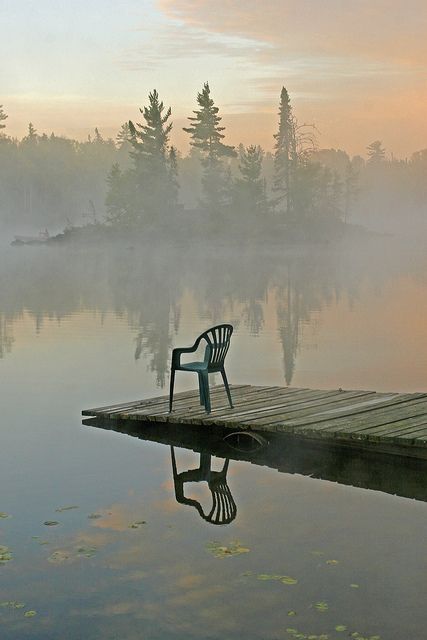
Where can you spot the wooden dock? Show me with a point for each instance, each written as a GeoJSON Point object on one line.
{"type": "Point", "coordinates": [388, 422]}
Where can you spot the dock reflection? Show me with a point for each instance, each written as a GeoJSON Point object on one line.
{"type": "Point", "coordinates": [393, 474]}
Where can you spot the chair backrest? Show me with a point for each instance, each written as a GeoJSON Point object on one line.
{"type": "Point", "coordinates": [218, 343]}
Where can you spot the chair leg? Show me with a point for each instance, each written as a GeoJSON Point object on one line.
{"type": "Point", "coordinates": [201, 389]}
{"type": "Point", "coordinates": [171, 389]}
{"type": "Point", "coordinates": [227, 388]}
{"type": "Point", "coordinates": [205, 376]}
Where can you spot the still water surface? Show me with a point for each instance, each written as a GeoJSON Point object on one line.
{"type": "Point", "coordinates": [317, 545]}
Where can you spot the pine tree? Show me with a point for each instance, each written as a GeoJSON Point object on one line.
{"type": "Point", "coordinates": [285, 153]}
{"type": "Point", "coordinates": [98, 139]}
{"type": "Point", "coordinates": [155, 178]}
{"type": "Point", "coordinates": [376, 153]}
{"type": "Point", "coordinates": [206, 136]}
{"type": "Point", "coordinates": [123, 136]}
{"type": "Point", "coordinates": [3, 117]}
{"type": "Point", "coordinates": [119, 198]}
{"type": "Point", "coordinates": [251, 186]}
{"type": "Point", "coordinates": [31, 136]}
{"type": "Point", "coordinates": [350, 187]}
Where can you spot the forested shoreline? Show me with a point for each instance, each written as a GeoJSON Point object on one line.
{"type": "Point", "coordinates": [140, 184]}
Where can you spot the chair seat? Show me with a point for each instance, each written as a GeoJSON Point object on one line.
{"type": "Point", "coordinates": [194, 366]}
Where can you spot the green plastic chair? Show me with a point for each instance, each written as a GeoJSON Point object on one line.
{"type": "Point", "coordinates": [224, 509]}
{"type": "Point", "coordinates": [217, 344]}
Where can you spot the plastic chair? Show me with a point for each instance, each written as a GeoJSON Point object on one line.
{"type": "Point", "coordinates": [224, 509]}
{"type": "Point", "coordinates": [217, 344]}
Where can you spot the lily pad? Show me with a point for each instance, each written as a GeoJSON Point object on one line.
{"type": "Point", "coordinates": [331, 561]}
{"type": "Point", "coordinates": [5, 554]}
{"type": "Point", "coordinates": [340, 627]}
{"type": "Point", "coordinates": [30, 614]}
{"type": "Point", "coordinates": [58, 557]}
{"type": "Point", "coordinates": [221, 551]}
{"type": "Point", "coordinates": [4, 515]}
{"type": "Point", "coordinates": [137, 525]}
{"type": "Point", "coordinates": [291, 613]}
{"type": "Point", "coordinates": [278, 577]}
{"type": "Point", "coordinates": [288, 580]}
{"type": "Point", "coordinates": [321, 606]}
{"type": "Point", "coordinates": [51, 523]}
{"type": "Point", "coordinates": [88, 552]}
{"type": "Point", "coordinates": [354, 585]}
{"type": "Point", "coordinates": [94, 516]}
{"type": "Point", "coordinates": [68, 508]}
{"type": "Point", "coordinates": [12, 604]}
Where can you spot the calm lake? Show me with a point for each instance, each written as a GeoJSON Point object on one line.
{"type": "Point", "coordinates": [93, 541]}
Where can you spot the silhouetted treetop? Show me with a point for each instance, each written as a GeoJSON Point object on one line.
{"type": "Point", "coordinates": [376, 153]}
{"type": "Point", "coordinates": [151, 139]}
{"type": "Point", "coordinates": [206, 133]}
{"type": "Point", "coordinates": [3, 116]}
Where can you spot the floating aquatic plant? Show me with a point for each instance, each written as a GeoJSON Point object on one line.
{"type": "Point", "coordinates": [321, 606]}
{"type": "Point", "coordinates": [137, 525]}
{"type": "Point", "coordinates": [63, 555]}
{"type": "Point", "coordinates": [5, 554]}
{"type": "Point", "coordinates": [59, 556]}
{"type": "Point", "coordinates": [12, 604]}
{"type": "Point", "coordinates": [278, 577]}
{"type": "Point", "coordinates": [4, 515]}
{"type": "Point", "coordinates": [302, 636]}
{"type": "Point", "coordinates": [61, 509]}
{"type": "Point", "coordinates": [221, 551]}
{"type": "Point", "coordinates": [87, 552]}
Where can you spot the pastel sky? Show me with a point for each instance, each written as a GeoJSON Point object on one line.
{"type": "Point", "coordinates": [357, 69]}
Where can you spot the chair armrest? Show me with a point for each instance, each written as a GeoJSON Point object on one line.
{"type": "Point", "coordinates": [176, 353]}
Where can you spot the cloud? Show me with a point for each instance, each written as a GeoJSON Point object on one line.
{"type": "Point", "coordinates": [313, 42]}
{"type": "Point", "coordinates": [175, 40]}
{"type": "Point", "coordinates": [391, 29]}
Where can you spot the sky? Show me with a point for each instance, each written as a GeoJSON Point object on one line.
{"type": "Point", "coordinates": [356, 69]}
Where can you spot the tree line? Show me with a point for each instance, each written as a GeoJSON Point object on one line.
{"type": "Point", "coordinates": [141, 183]}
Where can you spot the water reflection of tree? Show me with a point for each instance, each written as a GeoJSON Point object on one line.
{"type": "Point", "coordinates": [6, 337]}
{"type": "Point", "coordinates": [145, 286]}
{"type": "Point", "coordinates": [306, 284]}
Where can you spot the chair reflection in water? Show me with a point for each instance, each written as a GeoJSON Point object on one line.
{"type": "Point", "coordinates": [217, 340]}
{"type": "Point", "coordinates": [224, 508]}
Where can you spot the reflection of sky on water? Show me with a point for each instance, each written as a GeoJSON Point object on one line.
{"type": "Point", "coordinates": [319, 318]}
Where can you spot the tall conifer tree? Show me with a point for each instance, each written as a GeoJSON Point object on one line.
{"type": "Point", "coordinates": [285, 153]}
{"type": "Point", "coordinates": [155, 179]}
{"type": "Point", "coordinates": [206, 136]}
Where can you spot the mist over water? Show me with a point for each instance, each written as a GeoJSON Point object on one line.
{"type": "Point", "coordinates": [86, 326]}
{"type": "Point", "coordinates": [126, 249]}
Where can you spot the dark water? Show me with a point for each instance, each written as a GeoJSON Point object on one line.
{"type": "Point", "coordinates": [321, 543]}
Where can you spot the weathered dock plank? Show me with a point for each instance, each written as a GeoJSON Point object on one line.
{"type": "Point", "coordinates": [396, 421]}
